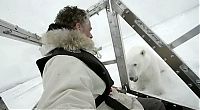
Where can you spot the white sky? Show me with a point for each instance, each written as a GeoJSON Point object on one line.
{"type": "Point", "coordinates": [169, 19]}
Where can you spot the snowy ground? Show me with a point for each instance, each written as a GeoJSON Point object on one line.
{"type": "Point", "coordinates": [23, 96]}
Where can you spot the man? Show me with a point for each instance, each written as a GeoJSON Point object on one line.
{"type": "Point", "coordinates": [73, 78]}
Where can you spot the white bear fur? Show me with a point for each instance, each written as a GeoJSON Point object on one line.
{"type": "Point", "coordinates": [142, 64]}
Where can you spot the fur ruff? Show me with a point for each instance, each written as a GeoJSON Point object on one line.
{"type": "Point", "coordinates": [70, 40]}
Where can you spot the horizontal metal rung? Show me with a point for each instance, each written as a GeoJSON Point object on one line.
{"type": "Point", "coordinates": [187, 36]}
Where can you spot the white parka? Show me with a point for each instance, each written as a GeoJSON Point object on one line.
{"type": "Point", "coordinates": [69, 83]}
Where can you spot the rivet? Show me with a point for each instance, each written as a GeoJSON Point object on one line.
{"type": "Point", "coordinates": [127, 11]}
{"type": "Point", "coordinates": [190, 85]}
{"type": "Point", "coordinates": [198, 81]}
{"type": "Point", "coordinates": [143, 36]}
{"type": "Point", "coordinates": [177, 71]}
{"type": "Point", "coordinates": [119, 3]}
{"type": "Point", "coordinates": [174, 105]}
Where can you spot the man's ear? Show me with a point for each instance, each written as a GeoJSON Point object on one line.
{"type": "Point", "coordinates": [78, 26]}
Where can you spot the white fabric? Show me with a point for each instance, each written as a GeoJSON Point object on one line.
{"type": "Point", "coordinates": [68, 83]}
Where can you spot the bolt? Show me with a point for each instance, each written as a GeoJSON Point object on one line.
{"type": "Point", "coordinates": [16, 27]}
{"type": "Point", "coordinates": [37, 37]}
{"type": "Point", "coordinates": [177, 71]}
{"type": "Point", "coordinates": [174, 105]}
{"type": "Point", "coordinates": [119, 3]}
{"type": "Point", "coordinates": [143, 36]}
{"type": "Point", "coordinates": [190, 85]}
{"type": "Point", "coordinates": [198, 81]}
{"type": "Point", "coordinates": [7, 31]}
{"type": "Point", "coordinates": [126, 11]}
{"type": "Point", "coordinates": [184, 68]}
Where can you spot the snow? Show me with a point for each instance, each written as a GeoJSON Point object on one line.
{"type": "Point", "coordinates": [23, 96]}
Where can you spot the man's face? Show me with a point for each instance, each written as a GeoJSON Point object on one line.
{"type": "Point", "coordinates": [86, 28]}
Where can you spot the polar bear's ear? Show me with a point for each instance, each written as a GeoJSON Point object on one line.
{"type": "Point", "coordinates": [142, 52]}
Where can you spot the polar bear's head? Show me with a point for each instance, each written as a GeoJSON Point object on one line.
{"type": "Point", "coordinates": [138, 60]}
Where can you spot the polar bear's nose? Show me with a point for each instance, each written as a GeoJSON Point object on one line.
{"type": "Point", "coordinates": [134, 79]}
{"type": "Point", "coordinates": [131, 78]}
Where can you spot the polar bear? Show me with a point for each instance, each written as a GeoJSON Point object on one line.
{"type": "Point", "coordinates": [143, 69]}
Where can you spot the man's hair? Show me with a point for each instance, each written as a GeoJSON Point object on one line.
{"type": "Point", "coordinates": [69, 16]}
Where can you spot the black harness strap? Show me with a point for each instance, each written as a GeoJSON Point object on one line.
{"type": "Point", "coordinates": [92, 62]}
{"type": "Point", "coordinates": [100, 99]}
{"type": "Point", "coordinates": [115, 104]}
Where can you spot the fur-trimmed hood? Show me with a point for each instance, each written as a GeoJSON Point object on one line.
{"type": "Point", "coordinates": [71, 40]}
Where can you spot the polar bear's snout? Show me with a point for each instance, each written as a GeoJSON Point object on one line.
{"type": "Point", "coordinates": [134, 78]}
{"type": "Point", "coordinates": [133, 74]}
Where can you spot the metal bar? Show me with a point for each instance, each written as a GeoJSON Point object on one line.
{"type": "Point", "coordinates": [109, 62]}
{"type": "Point", "coordinates": [14, 32]}
{"type": "Point", "coordinates": [96, 8]}
{"type": "Point", "coordinates": [181, 69]}
{"type": "Point", "coordinates": [168, 105]}
{"type": "Point", "coordinates": [187, 36]}
{"type": "Point", "coordinates": [118, 47]}
{"type": "Point", "coordinates": [3, 105]}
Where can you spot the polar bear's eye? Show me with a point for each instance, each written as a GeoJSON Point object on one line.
{"type": "Point", "coordinates": [134, 64]}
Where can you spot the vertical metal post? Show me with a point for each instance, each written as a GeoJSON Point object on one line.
{"type": "Point", "coordinates": [118, 47]}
